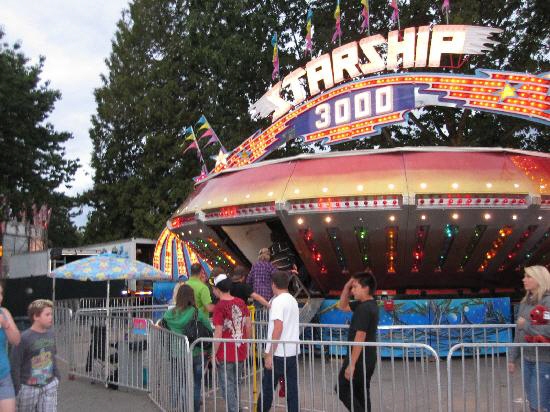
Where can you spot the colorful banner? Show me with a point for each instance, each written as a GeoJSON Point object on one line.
{"type": "Point", "coordinates": [361, 108]}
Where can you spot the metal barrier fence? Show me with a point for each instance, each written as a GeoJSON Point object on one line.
{"type": "Point", "coordinates": [410, 382]}
{"type": "Point", "coordinates": [128, 301]}
{"type": "Point", "coordinates": [168, 365]}
{"type": "Point", "coordinates": [124, 349]}
{"type": "Point", "coordinates": [478, 378]}
{"type": "Point", "coordinates": [112, 350]}
{"type": "Point", "coordinates": [439, 337]}
{"type": "Point", "coordinates": [62, 328]}
{"type": "Point", "coordinates": [152, 312]}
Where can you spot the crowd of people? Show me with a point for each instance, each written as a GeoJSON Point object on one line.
{"type": "Point", "coordinates": [29, 376]}
{"type": "Point", "coordinates": [266, 286]}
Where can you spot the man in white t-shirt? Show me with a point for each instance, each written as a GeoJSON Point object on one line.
{"type": "Point", "coordinates": [280, 359]}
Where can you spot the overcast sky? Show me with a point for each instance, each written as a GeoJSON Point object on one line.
{"type": "Point", "coordinates": [75, 37]}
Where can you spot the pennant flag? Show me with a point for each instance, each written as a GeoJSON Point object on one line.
{"type": "Point", "coordinates": [338, 30]}
{"type": "Point", "coordinates": [309, 45]}
{"type": "Point", "coordinates": [275, 73]}
{"type": "Point", "coordinates": [395, 13]}
{"type": "Point", "coordinates": [191, 146]}
{"type": "Point", "coordinates": [446, 7]}
{"type": "Point", "coordinates": [203, 123]}
{"type": "Point", "coordinates": [209, 132]}
{"type": "Point", "coordinates": [365, 13]}
{"type": "Point", "coordinates": [189, 134]}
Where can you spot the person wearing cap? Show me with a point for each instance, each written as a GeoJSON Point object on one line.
{"type": "Point", "coordinates": [260, 275]}
{"type": "Point", "coordinates": [231, 321]}
{"type": "Point", "coordinates": [203, 300]}
{"type": "Point", "coordinates": [280, 359]}
{"type": "Point", "coordinates": [240, 289]}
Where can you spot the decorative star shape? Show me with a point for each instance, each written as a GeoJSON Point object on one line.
{"type": "Point", "coordinates": [507, 91]}
{"type": "Point", "coordinates": [221, 158]}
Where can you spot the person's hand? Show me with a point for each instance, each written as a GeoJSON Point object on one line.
{"type": "Point", "coordinates": [349, 284]}
{"type": "Point", "coordinates": [521, 322]}
{"type": "Point", "coordinates": [511, 367]}
{"type": "Point", "coordinates": [268, 361]}
{"type": "Point", "coordinates": [348, 373]}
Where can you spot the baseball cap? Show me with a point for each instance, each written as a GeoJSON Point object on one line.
{"type": "Point", "coordinates": [220, 278]}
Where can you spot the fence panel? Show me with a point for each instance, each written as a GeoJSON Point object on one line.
{"type": "Point", "coordinates": [112, 350]}
{"type": "Point", "coordinates": [62, 326]}
{"type": "Point", "coordinates": [478, 378]}
{"type": "Point", "coordinates": [439, 337]}
{"type": "Point", "coordinates": [169, 388]}
{"type": "Point", "coordinates": [410, 382]}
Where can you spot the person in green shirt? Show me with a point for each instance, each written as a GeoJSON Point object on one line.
{"type": "Point", "coordinates": [203, 300]}
{"type": "Point", "coordinates": [176, 319]}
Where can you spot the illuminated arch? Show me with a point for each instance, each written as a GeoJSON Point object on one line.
{"type": "Point", "coordinates": [175, 257]}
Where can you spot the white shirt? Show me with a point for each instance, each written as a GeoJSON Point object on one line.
{"type": "Point", "coordinates": [285, 308]}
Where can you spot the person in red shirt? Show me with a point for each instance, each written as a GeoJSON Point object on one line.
{"type": "Point", "coordinates": [231, 321]}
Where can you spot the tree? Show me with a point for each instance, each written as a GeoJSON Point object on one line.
{"type": "Point", "coordinates": [32, 156]}
{"type": "Point", "coordinates": [175, 60]}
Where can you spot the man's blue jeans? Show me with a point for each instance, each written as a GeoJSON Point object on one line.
{"type": "Point", "coordinates": [198, 372]}
{"type": "Point", "coordinates": [228, 377]}
{"type": "Point", "coordinates": [282, 367]}
{"type": "Point", "coordinates": [534, 390]}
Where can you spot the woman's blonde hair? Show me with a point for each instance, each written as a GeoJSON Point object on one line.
{"type": "Point", "coordinates": [264, 255]}
{"type": "Point", "coordinates": [542, 276]}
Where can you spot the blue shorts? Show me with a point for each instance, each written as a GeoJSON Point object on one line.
{"type": "Point", "coordinates": [6, 388]}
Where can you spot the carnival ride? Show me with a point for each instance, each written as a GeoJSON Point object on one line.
{"type": "Point", "coordinates": [427, 221]}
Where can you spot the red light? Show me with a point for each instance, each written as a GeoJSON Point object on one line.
{"type": "Point", "coordinates": [432, 201]}
{"type": "Point", "coordinates": [478, 200]}
{"type": "Point", "coordinates": [421, 201]}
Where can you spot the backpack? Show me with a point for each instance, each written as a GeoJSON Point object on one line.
{"type": "Point", "coordinates": [195, 329]}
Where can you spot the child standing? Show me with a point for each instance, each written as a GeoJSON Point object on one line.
{"type": "Point", "coordinates": [34, 369]}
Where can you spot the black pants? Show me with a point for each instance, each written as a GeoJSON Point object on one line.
{"type": "Point", "coordinates": [358, 399]}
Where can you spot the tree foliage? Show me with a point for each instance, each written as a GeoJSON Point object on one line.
{"type": "Point", "coordinates": [32, 156]}
{"type": "Point", "coordinates": [175, 60]}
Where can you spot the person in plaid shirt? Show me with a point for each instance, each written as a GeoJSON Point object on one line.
{"type": "Point", "coordinates": [260, 275]}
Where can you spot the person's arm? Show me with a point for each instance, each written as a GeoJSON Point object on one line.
{"type": "Point", "coordinates": [16, 364]}
{"type": "Point", "coordinates": [250, 277]}
{"type": "Point", "coordinates": [9, 326]}
{"type": "Point", "coordinates": [343, 303]}
{"type": "Point", "coordinates": [206, 300]}
{"type": "Point", "coordinates": [360, 336]}
{"type": "Point", "coordinates": [275, 336]}
{"type": "Point", "coordinates": [260, 299]}
{"type": "Point", "coordinates": [217, 335]}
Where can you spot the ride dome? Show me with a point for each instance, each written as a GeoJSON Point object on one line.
{"type": "Point", "coordinates": [425, 220]}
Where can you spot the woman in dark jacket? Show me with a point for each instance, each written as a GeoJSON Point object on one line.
{"type": "Point", "coordinates": [532, 329]}
{"type": "Point", "coordinates": [176, 319]}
